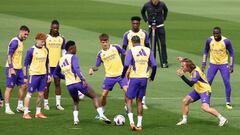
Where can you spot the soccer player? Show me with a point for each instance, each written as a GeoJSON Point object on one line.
{"type": "Point", "coordinates": [202, 90]}
{"type": "Point", "coordinates": [14, 72]}
{"type": "Point", "coordinates": [110, 57]}
{"type": "Point", "coordinates": [55, 44]}
{"type": "Point", "coordinates": [75, 82]}
{"type": "Point", "coordinates": [219, 47]}
{"type": "Point", "coordinates": [135, 31]}
{"type": "Point", "coordinates": [141, 58]}
{"type": "Point", "coordinates": [37, 73]}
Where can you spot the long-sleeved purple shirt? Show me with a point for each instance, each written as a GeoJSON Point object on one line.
{"type": "Point", "coordinates": [28, 61]}
{"type": "Point", "coordinates": [228, 47]}
{"type": "Point", "coordinates": [12, 48]}
{"type": "Point", "coordinates": [75, 69]}
{"type": "Point", "coordinates": [130, 61]}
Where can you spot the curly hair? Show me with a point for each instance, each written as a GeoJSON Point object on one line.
{"type": "Point", "coordinates": [41, 36]}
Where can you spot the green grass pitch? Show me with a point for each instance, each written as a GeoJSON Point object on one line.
{"type": "Point", "coordinates": [188, 25]}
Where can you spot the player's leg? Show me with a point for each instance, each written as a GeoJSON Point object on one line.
{"type": "Point", "coordinates": [107, 86]}
{"type": "Point", "coordinates": [57, 82]}
{"type": "Point", "coordinates": [41, 87]}
{"type": "Point", "coordinates": [88, 91]}
{"type": "Point", "coordinates": [32, 86]}
{"type": "Point", "coordinates": [224, 70]}
{"type": "Point", "coordinates": [140, 95]}
{"type": "Point", "coordinates": [162, 36]}
{"type": "Point", "coordinates": [130, 95]}
{"type": "Point", "coordinates": [7, 95]}
{"type": "Point", "coordinates": [191, 97]}
{"type": "Point", "coordinates": [73, 92]}
{"type": "Point", "coordinates": [104, 97]}
{"type": "Point", "coordinates": [205, 99]}
{"type": "Point", "coordinates": [124, 85]}
{"type": "Point", "coordinates": [10, 83]}
{"type": "Point", "coordinates": [212, 70]}
{"type": "Point", "coordinates": [28, 96]}
{"type": "Point", "coordinates": [22, 90]}
{"type": "Point", "coordinates": [46, 95]}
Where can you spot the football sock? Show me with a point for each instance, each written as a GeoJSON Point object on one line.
{"type": "Point", "coordinates": [38, 110]}
{"type": "Point", "coordinates": [20, 103]}
{"type": "Point", "coordinates": [58, 99]}
{"type": "Point", "coordinates": [130, 117]}
{"type": "Point", "coordinates": [100, 111]}
{"type": "Point", "coordinates": [75, 115]}
{"type": "Point", "coordinates": [139, 123]}
{"type": "Point", "coordinates": [45, 101]}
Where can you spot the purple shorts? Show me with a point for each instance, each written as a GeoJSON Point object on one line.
{"type": "Point", "coordinates": [52, 69]}
{"type": "Point", "coordinates": [136, 88]}
{"type": "Point", "coordinates": [74, 88]}
{"type": "Point", "coordinates": [12, 80]}
{"type": "Point", "coordinates": [205, 97]}
{"type": "Point", "coordinates": [37, 83]}
{"type": "Point", "coordinates": [109, 82]}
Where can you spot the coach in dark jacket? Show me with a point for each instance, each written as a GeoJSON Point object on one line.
{"type": "Point", "coordinates": [157, 14]}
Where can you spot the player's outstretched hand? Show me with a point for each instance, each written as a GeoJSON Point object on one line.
{"type": "Point", "coordinates": [90, 72]}
{"type": "Point", "coordinates": [179, 58]}
{"type": "Point", "coordinates": [49, 79]}
{"type": "Point", "coordinates": [203, 68]}
{"type": "Point", "coordinates": [84, 84]}
{"type": "Point", "coordinates": [180, 72]}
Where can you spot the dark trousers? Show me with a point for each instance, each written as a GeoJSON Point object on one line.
{"type": "Point", "coordinates": [160, 35]}
{"type": "Point", "coordinates": [1, 98]}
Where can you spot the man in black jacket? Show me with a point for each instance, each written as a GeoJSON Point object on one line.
{"type": "Point", "coordinates": [156, 15]}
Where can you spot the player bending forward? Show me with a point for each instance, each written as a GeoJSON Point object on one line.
{"type": "Point", "coordinates": [75, 82]}
{"type": "Point", "coordinates": [202, 90]}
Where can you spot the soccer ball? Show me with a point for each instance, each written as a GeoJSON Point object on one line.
{"type": "Point", "coordinates": [119, 120]}
{"type": "Point", "coordinates": [80, 95]}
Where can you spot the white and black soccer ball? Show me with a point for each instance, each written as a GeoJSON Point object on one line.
{"type": "Point", "coordinates": [80, 95]}
{"type": "Point", "coordinates": [119, 120]}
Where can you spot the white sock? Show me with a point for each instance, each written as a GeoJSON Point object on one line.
{"type": "Point", "coordinates": [38, 110]}
{"type": "Point", "coordinates": [7, 106]}
{"type": "Point", "coordinates": [45, 101]}
{"type": "Point", "coordinates": [20, 103]}
{"type": "Point", "coordinates": [185, 117]}
{"type": "Point", "coordinates": [130, 117]}
{"type": "Point", "coordinates": [139, 123]}
{"type": "Point", "coordinates": [143, 100]}
{"type": "Point", "coordinates": [58, 99]}
{"type": "Point", "coordinates": [220, 117]}
{"type": "Point", "coordinates": [26, 110]}
{"type": "Point", "coordinates": [75, 115]}
{"type": "Point", "coordinates": [100, 111]}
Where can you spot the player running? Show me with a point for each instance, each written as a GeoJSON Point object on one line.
{"type": "Point", "coordinates": [110, 57]}
{"type": "Point", "coordinates": [75, 82]}
{"type": "Point", "coordinates": [140, 58]}
{"type": "Point", "coordinates": [37, 73]}
{"type": "Point", "coordinates": [55, 44]}
{"type": "Point", "coordinates": [14, 72]}
{"type": "Point", "coordinates": [202, 90]}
